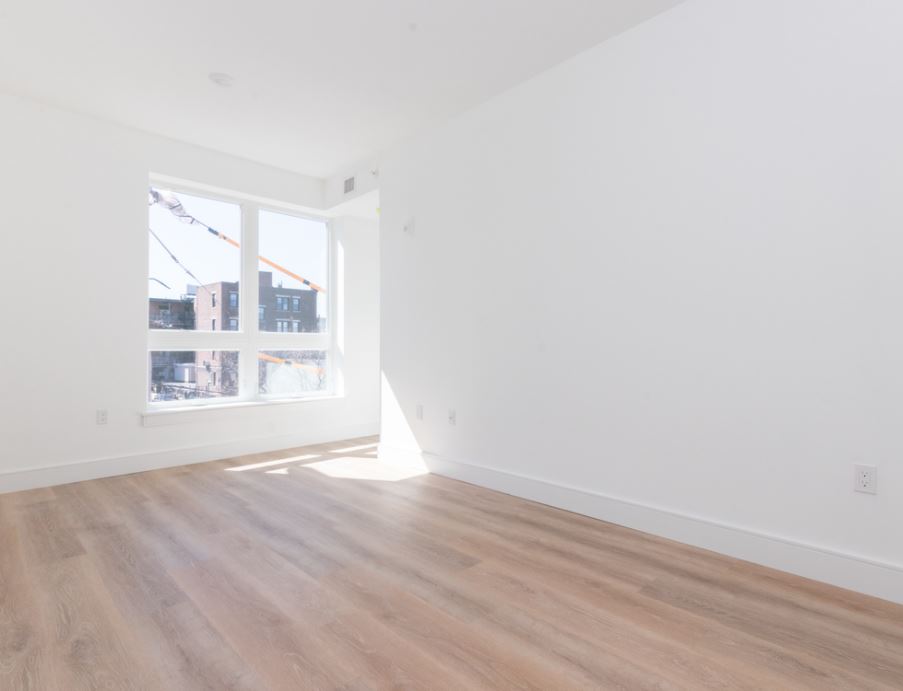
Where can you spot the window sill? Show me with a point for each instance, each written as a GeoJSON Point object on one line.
{"type": "Point", "coordinates": [159, 417]}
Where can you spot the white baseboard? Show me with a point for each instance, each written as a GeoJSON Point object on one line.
{"type": "Point", "coordinates": [61, 474]}
{"type": "Point", "coordinates": [855, 572]}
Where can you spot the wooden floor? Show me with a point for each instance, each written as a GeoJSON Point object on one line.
{"type": "Point", "coordinates": [300, 570]}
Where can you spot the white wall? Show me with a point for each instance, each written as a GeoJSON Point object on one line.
{"type": "Point", "coordinates": [662, 284]}
{"type": "Point", "coordinates": [74, 283]}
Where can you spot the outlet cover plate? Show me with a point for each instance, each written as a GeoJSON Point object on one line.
{"type": "Point", "coordinates": [866, 479]}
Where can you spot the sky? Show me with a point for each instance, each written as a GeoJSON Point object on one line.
{"type": "Point", "coordinates": [298, 244]}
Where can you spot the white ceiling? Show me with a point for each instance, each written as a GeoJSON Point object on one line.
{"type": "Point", "coordinates": [318, 83]}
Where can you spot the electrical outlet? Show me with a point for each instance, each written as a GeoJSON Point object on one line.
{"type": "Point", "coordinates": [101, 417]}
{"type": "Point", "coordinates": [866, 479]}
{"type": "Point", "coordinates": [419, 411]}
{"type": "Point", "coordinates": [452, 417]}
{"type": "Point", "coordinates": [408, 228]}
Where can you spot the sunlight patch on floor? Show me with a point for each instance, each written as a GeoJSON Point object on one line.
{"type": "Point", "coordinates": [350, 468]}
{"type": "Point", "coordinates": [278, 461]}
{"type": "Point", "coordinates": [353, 449]}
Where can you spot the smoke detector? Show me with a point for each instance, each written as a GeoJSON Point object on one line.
{"type": "Point", "coordinates": [222, 79]}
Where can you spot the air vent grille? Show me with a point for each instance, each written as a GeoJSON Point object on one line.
{"type": "Point", "coordinates": [349, 185]}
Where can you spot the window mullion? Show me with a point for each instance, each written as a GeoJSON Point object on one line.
{"type": "Point", "coordinates": [293, 341]}
{"type": "Point", "coordinates": [335, 344]}
{"type": "Point", "coordinates": [194, 340]}
{"type": "Point", "coordinates": [250, 299]}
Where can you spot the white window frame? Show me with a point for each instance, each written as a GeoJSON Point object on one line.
{"type": "Point", "coordinates": [249, 339]}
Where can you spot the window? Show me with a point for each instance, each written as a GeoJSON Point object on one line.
{"type": "Point", "coordinates": [186, 267]}
{"type": "Point", "coordinates": [199, 250]}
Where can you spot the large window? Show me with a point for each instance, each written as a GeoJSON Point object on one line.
{"type": "Point", "coordinates": [269, 336]}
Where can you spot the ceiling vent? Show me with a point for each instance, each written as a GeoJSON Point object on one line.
{"type": "Point", "coordinates": [349, 185]}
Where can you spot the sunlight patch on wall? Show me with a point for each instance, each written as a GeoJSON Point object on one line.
{"type": "Point", "coordinates": [396, 431]}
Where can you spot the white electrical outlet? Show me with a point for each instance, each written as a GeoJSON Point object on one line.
{"type": "Point", "coordinates": [866, 479]}
{"type": "Point", "coordinates": [101, 417]}
{"type": "Point", "coordinates": [419, 411]}
{"type": "Point", "coordinates": [452, 417]}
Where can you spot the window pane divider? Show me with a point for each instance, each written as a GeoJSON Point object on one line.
{"type": "Point", "coordinates": [196, 340]}
{"type": "Point", "coordinates": [250, 299]}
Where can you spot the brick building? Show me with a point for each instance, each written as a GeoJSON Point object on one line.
{"type": "Point", "coordinates": [278, 309]}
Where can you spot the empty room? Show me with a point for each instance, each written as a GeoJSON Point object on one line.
{"type": "Point", "coordinates": [419, 344]}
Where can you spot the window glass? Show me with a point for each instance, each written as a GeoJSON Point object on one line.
{"type": "Point", "coordinates": [192, 374]}
{"type": "Point", "coordinates": [291, 372]}
{"type": "Point", "coordinates": [189, 262]}
{"type": "Point", "coordinates": [293, 269]}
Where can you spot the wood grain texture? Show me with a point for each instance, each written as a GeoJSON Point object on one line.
{"type": "Point", "coordinates": [273, 572]}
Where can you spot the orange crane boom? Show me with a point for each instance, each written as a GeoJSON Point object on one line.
{"type": "Point", "coordinates": [286, 361]}
{"type": "Point", "coordinates": [171, 202]}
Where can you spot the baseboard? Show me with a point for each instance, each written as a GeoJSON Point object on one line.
{"type": "Point", "coordinates": [61, 474]}
{"type": "Point", "coordinates": [856, 572]}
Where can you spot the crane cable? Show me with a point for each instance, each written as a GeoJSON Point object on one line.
{"type": "Point", "coordinates": [176, 260]}
{"type": "Point", "coordinates": [171, 202]}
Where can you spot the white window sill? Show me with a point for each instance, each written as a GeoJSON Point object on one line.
{"type": "Point", "coordinates": [158, 417]}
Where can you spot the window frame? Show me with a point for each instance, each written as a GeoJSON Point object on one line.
{"type": "Point", "coordinates": [249, 339]}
